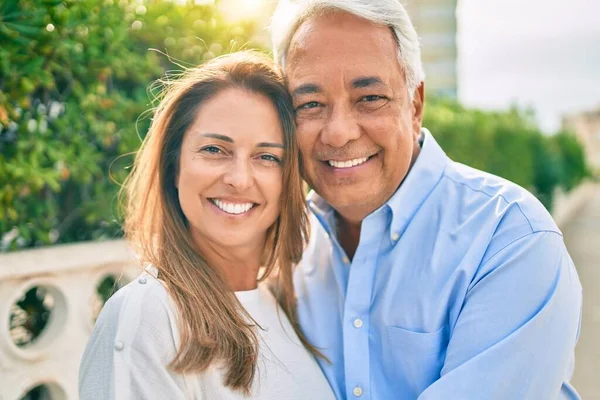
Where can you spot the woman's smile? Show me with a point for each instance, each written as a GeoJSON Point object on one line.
{"type": "Point", "coordinates": [238, 207]}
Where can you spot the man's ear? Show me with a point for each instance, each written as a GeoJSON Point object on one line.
{"type": "Point", "coordinates": [418, 109]}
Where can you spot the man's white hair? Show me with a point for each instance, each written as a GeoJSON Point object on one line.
{"type": "Point", "coordinates": [290, 14]}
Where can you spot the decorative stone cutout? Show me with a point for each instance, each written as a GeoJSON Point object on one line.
{"type": "Point", "coordinates": [35, 316]}
{"type": "Point", "coordinates": [45, 391]}
{"type": "Point", "coordinates": [30, 316]}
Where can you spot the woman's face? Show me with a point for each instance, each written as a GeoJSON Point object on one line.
{"type": "Point", "coordinates": [230, 172]}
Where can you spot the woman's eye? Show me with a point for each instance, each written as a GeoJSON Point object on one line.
{"type": "Point", "coordinates": [211, 150]}
{"type": "Point", "coordinates": [270, 158]}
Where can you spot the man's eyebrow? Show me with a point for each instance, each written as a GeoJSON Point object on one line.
{"type": "Point", "coordinates": [307, 88]}
{"type": "Point", "coordinates": [224, 138]}
{"type": "Point", "coordinates": [366, 81]}
{"type": "Point", "coordinates": [267, 144]}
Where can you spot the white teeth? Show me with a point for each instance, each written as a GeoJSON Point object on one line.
{"type": "Point", "coordinates": [232, 208]}
{"type": "Point", "coordinates": [349, 163]}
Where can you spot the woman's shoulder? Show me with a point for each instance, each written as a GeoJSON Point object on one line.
{"type": "Point", "coordinates": [142, 303]}
{"type": "Point", "coordinates": [134, 340]}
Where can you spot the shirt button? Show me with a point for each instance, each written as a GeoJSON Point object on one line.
{"type": "Point", "coordinates": [357, 391]}
{"type": "Point", "coordinates": [345, 260]}
{"type": "Point", "coordinates": [142, 281]}
{"type": "Point", "coordinates": [395, 237]}
{"type": "Point", "coordinates": [358, 323]}
{"type": "Point", "coordinates": [119, 345]}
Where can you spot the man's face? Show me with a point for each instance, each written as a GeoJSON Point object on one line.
{"type": "Point", "coordinates": [357, 128]}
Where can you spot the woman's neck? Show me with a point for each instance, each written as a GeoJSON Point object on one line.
{"type": "Point", "coordinates": [239, 265]}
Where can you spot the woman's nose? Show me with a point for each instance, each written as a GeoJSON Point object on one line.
{"type": "Point", "coordinates": [239, 174]}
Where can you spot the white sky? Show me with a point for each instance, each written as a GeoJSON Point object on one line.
{"type": "Point", "coordinates": [539, 53]}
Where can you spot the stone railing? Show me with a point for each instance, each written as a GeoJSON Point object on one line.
{"type": "Point", "coordinates": [566, 205]}
{"type": "Point", "coordinates": [69, 276]}
{"type": "Point", "coordinates": [45, 364]}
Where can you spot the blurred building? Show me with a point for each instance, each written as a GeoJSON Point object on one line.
{"type": "Point", "coordinates": [587, 127]}
{"type": "Point", "coordinates": [435, 21]}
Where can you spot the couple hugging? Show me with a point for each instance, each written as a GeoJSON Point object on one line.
{"type": "Point", "coordinates": [403, 274]}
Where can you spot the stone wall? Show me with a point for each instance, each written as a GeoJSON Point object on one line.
{"type": "Point", "coordinates": [67, 276]}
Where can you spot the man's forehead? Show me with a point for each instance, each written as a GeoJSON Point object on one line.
{"type": "Point", "coordinates": [339, 38]}
{"type": "Point", "coordinates": [312, 84]}
{"type": "Point", "coordinates": [355, 75]}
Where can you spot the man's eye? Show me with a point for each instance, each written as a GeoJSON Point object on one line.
{"type": "Point", "coordinates": [372, 97]}
{"type": "Point", "coordinates": [309, 105]}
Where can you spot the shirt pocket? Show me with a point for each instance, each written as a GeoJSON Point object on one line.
{"type": "Point", "coordinates": [417, 357]}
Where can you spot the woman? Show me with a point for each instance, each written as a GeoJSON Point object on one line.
{"type": "Point", "coordinates": [213, 199]}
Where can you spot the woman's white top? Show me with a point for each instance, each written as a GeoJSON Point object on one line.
{"type": "Point", "coordinates": [136, 337]}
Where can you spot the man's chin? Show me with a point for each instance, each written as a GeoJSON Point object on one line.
{"type": "Point", "coordinates": [351, 205]}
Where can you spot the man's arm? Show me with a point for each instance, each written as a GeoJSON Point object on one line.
{"type": "Point", "coordinates": [516, 333]}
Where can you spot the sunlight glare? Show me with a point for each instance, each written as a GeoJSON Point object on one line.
{"type": "Point", "coordinates": [236, 10]}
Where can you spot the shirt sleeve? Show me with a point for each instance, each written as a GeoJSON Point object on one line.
{"type": "Point", "coordinates": [516, 333]}
{"type": "Point", "coordinates": [130, 348]}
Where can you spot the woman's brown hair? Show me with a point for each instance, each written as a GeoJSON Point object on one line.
{"type": "Point", "coordinates": [214, 325]}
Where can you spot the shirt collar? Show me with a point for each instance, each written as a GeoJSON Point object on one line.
{"type": "Point", "coordinates": [420, 181]}
{"type": "Point", "coordinates": [418, 184]}
{"type": "Point", "coordinates": [322, 210]}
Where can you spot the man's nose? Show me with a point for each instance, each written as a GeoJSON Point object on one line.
{"type": "Point", "coordinates": [239, 175]}
{"type": "Point", "coordinates": [341, 127]}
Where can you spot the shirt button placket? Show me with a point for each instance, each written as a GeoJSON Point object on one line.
{"type": "Point", "coordinates": [356, 332]}
{"type": "Point", "coordinates": [357, 391]}
{"type": "Point", "coordinates": [357, 308]}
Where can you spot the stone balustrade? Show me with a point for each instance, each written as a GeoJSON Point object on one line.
{"type": "Point", "coordinates": [68, 277]}
{"type": "Point", "coordinates": [566, 205]}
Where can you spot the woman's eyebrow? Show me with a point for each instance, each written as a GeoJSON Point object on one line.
{"type": "Point", "coordinates": [228, 139]}
{"type": "Point", "coordinates": [267, 144]}
{"type": "Point", "coordinates": [224, 138]}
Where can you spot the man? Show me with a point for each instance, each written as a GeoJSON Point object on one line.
{"type": "Point", "coordinates": [423, 278]}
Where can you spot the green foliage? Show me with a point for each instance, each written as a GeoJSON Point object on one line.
{"type": "Point", "coordinates": [508, 144]}
{"type": "Point", "coordinates": [73, 83]}
{"type": "Point", "coordinates": [73, 79]}
{"type": "Point", "coordinates": [572, 159]}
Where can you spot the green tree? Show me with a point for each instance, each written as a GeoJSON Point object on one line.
{"type": "Point", "coordinates": [73, 82]}
{"type": "Point", "coordinates": [572, 159]}
{"type": "Point", "coordinates": [509, 144]}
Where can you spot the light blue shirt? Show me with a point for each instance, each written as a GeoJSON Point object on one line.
{"type": "Point", "coordinates": [461, 288]}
